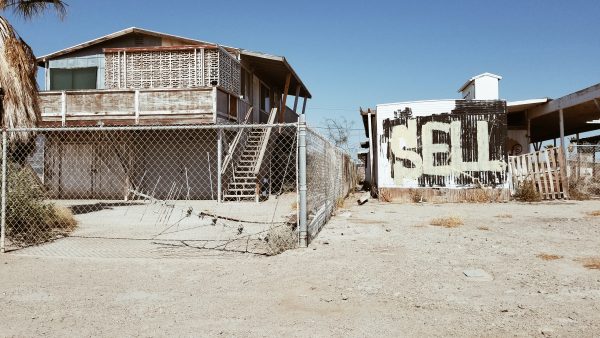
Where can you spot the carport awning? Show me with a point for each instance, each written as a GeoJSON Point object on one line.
{"type": "Point", "coordinates": [579, 109]}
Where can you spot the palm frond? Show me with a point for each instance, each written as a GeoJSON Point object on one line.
{"type": "Point", "coordinates": [18, 70]}
{"type": "Point", "coordinates": [31, 8]}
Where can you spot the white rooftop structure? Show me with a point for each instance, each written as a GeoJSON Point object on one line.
{"type": "Point", "coordinates": [481, 87]}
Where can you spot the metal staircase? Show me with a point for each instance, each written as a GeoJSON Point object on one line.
{"type": "Point", "coordinates": [244, 182]}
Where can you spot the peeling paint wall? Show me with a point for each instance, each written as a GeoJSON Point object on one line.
{"type": "Point", "coordinates": [460, 143]}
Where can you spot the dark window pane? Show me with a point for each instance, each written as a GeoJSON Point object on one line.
{"type": "Point", "coordinates": [75, 78]}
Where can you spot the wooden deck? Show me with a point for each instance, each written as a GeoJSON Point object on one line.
{"type": "Point", "coordinates": [129, 107]}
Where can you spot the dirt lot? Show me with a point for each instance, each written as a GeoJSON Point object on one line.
{"type": "Point", "coordinates": [375, 270]}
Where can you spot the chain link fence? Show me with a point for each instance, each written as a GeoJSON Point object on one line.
{"type": "Point", "coordinates": [330, 176]}
{"type": "Point", "coordinates": [167, 189]}
{"type": "Point", "coordinates": [224, 188]}
{"type": "Point", "coordinates": [583, 170]}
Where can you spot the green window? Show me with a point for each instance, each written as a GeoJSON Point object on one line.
{"type": "Point", "coordinates": [74, 78]}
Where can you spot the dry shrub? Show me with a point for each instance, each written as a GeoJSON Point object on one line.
{"type": "Point", "coordinates": [281, 237]}
{"type": "Point", "coordinates": [595, 213]}
{"type": "Point", "coordinates": [416, 195]}
{"type": "Point", "coordinates": [526, 192]}
{"type": "Point", "coordinates": [592, 263]}
{"type": "Point", "coordinates": [548, 257]}
{"type": "Point", "coordinates": [29, 218]}
{"type": "Point", "coordinates": [339, 203]}
{"type": "Point", "coordinates": [504, 216]}
{"type": "Point", "coordinates": [481, 195]}
{"type": "Point", "coordinates": [578, 189]}
{"type": "Point", "coordinates": [385, 195]}
{"type": "Point", "coordinates": [294, 205]}
{"type": "Point", "coordinates": [484, 228]}
{"type": "Point", "coordinates": [63, 218]}
{"type": "Point", "coordinates": [447, 222]}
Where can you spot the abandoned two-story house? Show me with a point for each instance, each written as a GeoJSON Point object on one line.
{"type": "Point", "coordinates": [137, 77]}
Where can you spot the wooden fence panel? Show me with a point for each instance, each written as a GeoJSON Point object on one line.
{"type": "Point", "coordinates": [544, 168]}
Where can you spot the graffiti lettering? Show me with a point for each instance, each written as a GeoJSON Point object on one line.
{"type": "Point", "coordinates": [404, 144]}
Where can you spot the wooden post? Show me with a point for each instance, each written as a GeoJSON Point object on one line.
{"type": "Point", "coordinates": [561, 122]}
{"type": "Point", "coordinates": [46, 76]}
{"type": "Point", "coordinates": [136, 104]}
{"type": "Point", "coordinates": [296, 98]}
{"type": "Point", "coordinates": [63, 97]}
{"type": "Point", "coordinates": [304, 105]}
{"type": "Point", "coordinates": [528, 131]}
{"type": "Point", "coordinates": [286, 88]}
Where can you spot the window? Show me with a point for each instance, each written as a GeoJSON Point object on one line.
{"type": "Point", "coordinates": [74, 78]}
{"type": "Point", "coordinates": [265, 98]}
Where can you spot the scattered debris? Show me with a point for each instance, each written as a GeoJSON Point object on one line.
{"type": "Point", "coordinates": [478, 274]}
{"type": "Point", "coordinates": [345, 214]}
{"type": "Point", "coordinates": [363, 199]}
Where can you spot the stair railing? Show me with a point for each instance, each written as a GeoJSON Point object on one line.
{"type": "Point", "coordinates": [265, 141]}
{"type": "Point", "coordinates": [236, 141]}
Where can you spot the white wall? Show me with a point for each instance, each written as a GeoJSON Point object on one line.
{"type": "Point", "coordinates": [486, 88]}
{"type": "Point", "coordinates": [386, 111]}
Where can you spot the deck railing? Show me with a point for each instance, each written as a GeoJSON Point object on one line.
{"type": "Point", "coordinates": [149, 106]}
{"type": "Point", "coordinates": [171, 67]}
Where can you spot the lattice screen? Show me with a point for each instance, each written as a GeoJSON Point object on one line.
{"type": "Point", "coordinates": [182, 68]}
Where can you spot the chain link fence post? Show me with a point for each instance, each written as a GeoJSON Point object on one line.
{"type": "Point", "coordinates": [4, 178]}
{"type": "Point", "coordinates": [219, 164]}
{"type": "Point", "coordinates": [302, 222]}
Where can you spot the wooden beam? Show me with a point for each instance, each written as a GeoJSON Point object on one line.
{"type": "Point", "coordinates": [597, 102]}
{"type": "Point", "coordinates": [567, 101]}
{"type": "Point", "coordinates": [286, 88]}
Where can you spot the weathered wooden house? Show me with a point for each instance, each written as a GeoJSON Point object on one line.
{"type": "Point", "coordinates": [137, 77]}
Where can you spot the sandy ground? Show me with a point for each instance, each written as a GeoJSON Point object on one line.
{"type": "Point", "coordinates": [115, 229]}
{"type": "Point", "coordinates": [375, 270]}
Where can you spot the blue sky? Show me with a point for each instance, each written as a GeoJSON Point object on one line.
{"type": "Point", "coordinates": [360, 53]}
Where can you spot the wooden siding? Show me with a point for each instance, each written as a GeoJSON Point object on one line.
{"type": "Point", "coordinates": [120, 107]}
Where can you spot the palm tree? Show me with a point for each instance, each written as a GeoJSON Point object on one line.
{"type": "Point", "coordinates": [18, 69]}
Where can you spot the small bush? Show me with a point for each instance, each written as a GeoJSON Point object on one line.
{"type": "Point", "coordinates": [483, 195]}
{"type": "Point", "coordinates": [592, 263]}
{"type": "Point", "coordinates": [339, 203]}
{"type": "Point", "coordinates": [385, 195]}
{"type": "Point", "coordinates": [30, 219]}
{"type": "Point", "coordinates": [548, 257]}
{"type": "Point", "coordinates": [595, 213]}
{"type": "Point", "coordinates": [526, 192]}
{"type": "Point", "coordinates": [484, 228]}
{"type": "Point", "coordinates": [447, 222]}
{"type": "Point", "coordinates": [281, 237]}
{"type": "Point", "coordinates": [578, 189]}
{"type": "Point", "coordinates": [415, 195]}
